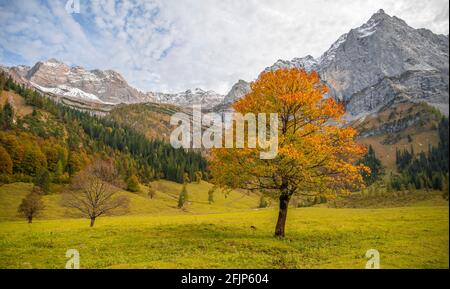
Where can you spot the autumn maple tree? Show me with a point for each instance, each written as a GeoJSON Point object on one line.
{"type": "Point", "coordinates": [317, 154]}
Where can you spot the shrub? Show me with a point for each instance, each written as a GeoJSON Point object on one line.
{"type": "Point", "coordinates": [262, 202]}
{"type": "Point", "coordinates": [133, 184]}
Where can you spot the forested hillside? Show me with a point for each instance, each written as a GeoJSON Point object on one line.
{"type": "Point", "coordinates": [59, 141]}
{"type": "Point", "coordinates": [424, 170]}
{"type": "Point", "coordinates": [151, 119]}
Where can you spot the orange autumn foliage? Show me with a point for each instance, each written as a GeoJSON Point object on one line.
{"type": "Point", "coordinates": [316, 152]}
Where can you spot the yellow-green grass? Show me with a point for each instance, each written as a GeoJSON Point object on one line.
{"type": "Point", "coordinates": [410, 237]}
{"type": "Point", "coordinates": [156, 234]}
{"type": "Point", "coordinates": [165, 202]}
{"type": "Point", "coordinates": [383, 199]}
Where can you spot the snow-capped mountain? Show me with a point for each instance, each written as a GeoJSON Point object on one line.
{"type": "Point", "coordinates": [103, 87]}
{"type": "Point", "coordinates": [56, 77]}
{"type": "Point", "coordinates": [382, 62]}
{"type": "Point", "coordinates": [308, 63]}
{"type": "Point", "coordinates": [379, 63]}
{"type": "Point", "coordinates": [238, 90]}
{"type": "Point", "coordinates": [198, 96]}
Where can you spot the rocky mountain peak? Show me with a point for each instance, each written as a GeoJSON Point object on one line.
{"type": "Point", "coordinates": [238, 90]}
{"type": "Point", "coordinates": [54, 76]}
{"type": "Point", "coordinates": [196, 96]}
{"type": "Point", "coordinates": [54, 61]}
{"type": "Point", "coordinates": [376, 63]}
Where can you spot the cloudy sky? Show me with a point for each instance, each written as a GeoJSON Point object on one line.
{"type": "Point", "coordinates": [173, 45]}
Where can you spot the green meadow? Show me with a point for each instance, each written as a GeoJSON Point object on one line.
{"type": "Point", "coordinates": [230, 233]}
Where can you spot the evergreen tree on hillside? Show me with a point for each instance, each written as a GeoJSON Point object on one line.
{"type": "Point", "coordinates": [33, 160]}
{"type": "Point", "coordinates": [6, 164]}
{"type": "Point", "coordinates": [43, 180]}
{"type": "Point", "coordinates": [376, 168]}
{"type": "Point", "coordinates": [425, 170]}
{"type": "Point", "coordinates": [182, 198]}
{"type": "Point", "coordinates": [7, 117]}
{"type": "Point", "coordinates": [59, 171]}
{"type": "Point", "coordinates": [86, 135]}
{"type": "Point", "coordinates": [2, 82]}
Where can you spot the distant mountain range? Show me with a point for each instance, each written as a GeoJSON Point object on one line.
{"type": "Point", "coordinates": [100, 87]}
{"type": "Point", "coordinates": [373, 70]}
{"type": "Point", "coordinates": [197, 96]}
{"type": "Point", "coordinates": [380, 63]}
{"type": "Point", "coordinates": [55, 77]}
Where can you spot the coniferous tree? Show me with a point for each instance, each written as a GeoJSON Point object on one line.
{"type": "Point", "coordinates": [182, 198]}
{"type": "Point", "coordinates": [59, 171]}
{"type": "Point", "coordinates": [88, 135]}
{"type": "Point", "coordinates": [6, 164]}
{"type": "Point", "coordinates": [374, 164]}
{"type": "Point", "coordinates": [7, 116]}
{"type": "Point", "coordinates": [43, 180]}
{"type": "Point", "coordinates": [426, 170]}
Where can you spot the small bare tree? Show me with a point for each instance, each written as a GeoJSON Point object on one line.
{"type": "Point", "coordinates": [151, 191]}
{"type": "Point", "coordinates": [93, 191]}
{"type": "Point", "coordinates": [32, 205]}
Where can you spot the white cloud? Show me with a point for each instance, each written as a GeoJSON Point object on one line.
{"type": "Point", "coordinates": [172, 45]}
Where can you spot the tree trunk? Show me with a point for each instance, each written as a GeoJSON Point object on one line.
{"type": "Point", "coordinates": [30, 220]}
{"type": "Point", "coordinates": [282, 215]}
{"type": "Point", "coordinates": [92, 222]}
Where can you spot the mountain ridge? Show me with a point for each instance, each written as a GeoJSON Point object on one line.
{"type": "Point", "coordinates": [383, 48]}
{"type": "Point", "coordinates": [100, 86]}
{"type": "Point", "coordinates": [382, 61]}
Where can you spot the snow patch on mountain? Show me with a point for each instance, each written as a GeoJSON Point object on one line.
{"type": "Point", "coordinates": [197, 96]}
{"type": "Point", "coordinates": [308, 63]}
{"type": "Point", "coordinates": [368, 29]}
{"type": "Point", "coordinates": [330, 54]}
{"type": "Point", "coordinates": [72, 92]}
{"type": "Point", "coordinates": [372, 65]}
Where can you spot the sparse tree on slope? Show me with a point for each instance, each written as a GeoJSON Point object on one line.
{"type": "Point", "coordinates": [151, 191]}
{"type": "Point", "coordinates": [133, 184]}
{"type": "Point", "coordinates": [93, 193]}
{"type": "Point", "coordinates": [183, 196]}
{"type": "Point", "coordinates": [211, 195]}
{"type": "Point", "coordinates": [198, 177]}
{"type": "Point", "coordinates": [32, 205]}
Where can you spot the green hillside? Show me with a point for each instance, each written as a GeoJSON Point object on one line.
{"type": "Point", "coordinates": [151, 119]}
{"type": "Point", "coordinates": [164, 202]}
{"type": "Point", "coordinates": [391, 134]}
{"type": "Point", "coordinates": [39, 134]}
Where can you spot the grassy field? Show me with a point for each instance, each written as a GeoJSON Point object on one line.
{"type": "Point", "coordinates": [220, 236]}
{"type": "Point", "coordinates": [164, 203]}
